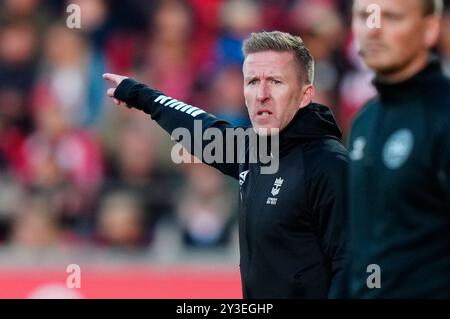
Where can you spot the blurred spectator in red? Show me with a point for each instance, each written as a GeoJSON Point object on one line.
{"type": "Point", "coordinates": [168, 58]}
{"type": "Point", "coordinates": [205, 29]}
{"type": "Point", "coordinates": [75, 152]}
{"type": "Point", "coordinates": [127, 31]}
{"type": "Point", "coordinates": [62, 161]}
{"type": "Point", "coordinates": [274, 14]}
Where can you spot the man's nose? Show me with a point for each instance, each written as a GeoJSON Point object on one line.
{"type": "Point", "coordinates": [373, 31]}
{"type": "Point", "coordinates": [263, 93]}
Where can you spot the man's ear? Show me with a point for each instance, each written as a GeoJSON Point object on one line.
{"type": "Point", "coordinates": [432, 30]}
{"type": "Point", "coordinates": [307, 96]}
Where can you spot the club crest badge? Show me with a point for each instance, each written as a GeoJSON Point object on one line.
{"type": "Point", "coordinates": [397, 148]}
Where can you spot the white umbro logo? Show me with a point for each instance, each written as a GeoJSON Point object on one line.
{"type": "Point", "coordinates": [242, 177]}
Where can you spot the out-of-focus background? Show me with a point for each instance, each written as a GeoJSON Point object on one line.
{"type": "Point", "coordinates": [85, 182]}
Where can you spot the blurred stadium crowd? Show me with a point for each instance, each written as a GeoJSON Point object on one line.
{"type": "Point", "coordinates": [77, 171]}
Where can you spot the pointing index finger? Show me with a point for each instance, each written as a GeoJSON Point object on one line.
{"type": "Point", "coordinates": [110, 77]}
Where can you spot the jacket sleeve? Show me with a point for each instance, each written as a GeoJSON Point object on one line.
{"type": "Point", "coordinates": [327, 189]}
{"type": "Point", "coordinates": [186, 124]}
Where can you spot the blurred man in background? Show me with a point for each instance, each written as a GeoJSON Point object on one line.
{"type": "Point", "coordinates": [400, 157]}
{"type": "Point", "coordinates": [292, 240]}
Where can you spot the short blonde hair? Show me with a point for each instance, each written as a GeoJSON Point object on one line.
{"type": "Point", "coordinates": [282, 42]}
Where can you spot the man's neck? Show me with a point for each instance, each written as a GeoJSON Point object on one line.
{"type": "Point", "coordinates": [406, 72]}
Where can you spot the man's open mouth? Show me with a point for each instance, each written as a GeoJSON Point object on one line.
{"type": "Point", "coordinates": [264, 113]}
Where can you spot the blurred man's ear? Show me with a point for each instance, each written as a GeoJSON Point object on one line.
{"type": "Point", "coordinates": [432, 30]}
{"type": "Point", "coordinates": [307, 96]}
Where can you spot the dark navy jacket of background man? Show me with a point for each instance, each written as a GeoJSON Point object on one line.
{"type": "Point", "coordinates": [400, 189]}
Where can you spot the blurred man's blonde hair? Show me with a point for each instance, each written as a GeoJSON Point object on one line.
{"type": "Point", "coordinates": [282, 42]}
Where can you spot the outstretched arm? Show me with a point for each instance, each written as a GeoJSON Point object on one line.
{"type": "Point", "coordinates": [172, 114]}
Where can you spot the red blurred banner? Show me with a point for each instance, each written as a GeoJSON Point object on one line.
{"type": "Point", "coordinates": [122, 282]}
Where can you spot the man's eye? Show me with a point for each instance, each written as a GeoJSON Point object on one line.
{"type": "Point", "coordinates": [392, 17]}
{"type": "Point", "coordinates": [363, 15]}
{"type": "Point", "coordinates": [252, 82]}
{"type": "Point", "coordinates": [276, 82]}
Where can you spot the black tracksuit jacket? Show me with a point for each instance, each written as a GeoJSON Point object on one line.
{"type": "Point", "coordinates": [292, 245]}
{"type": "Point", "coordinates": [400, 189]}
